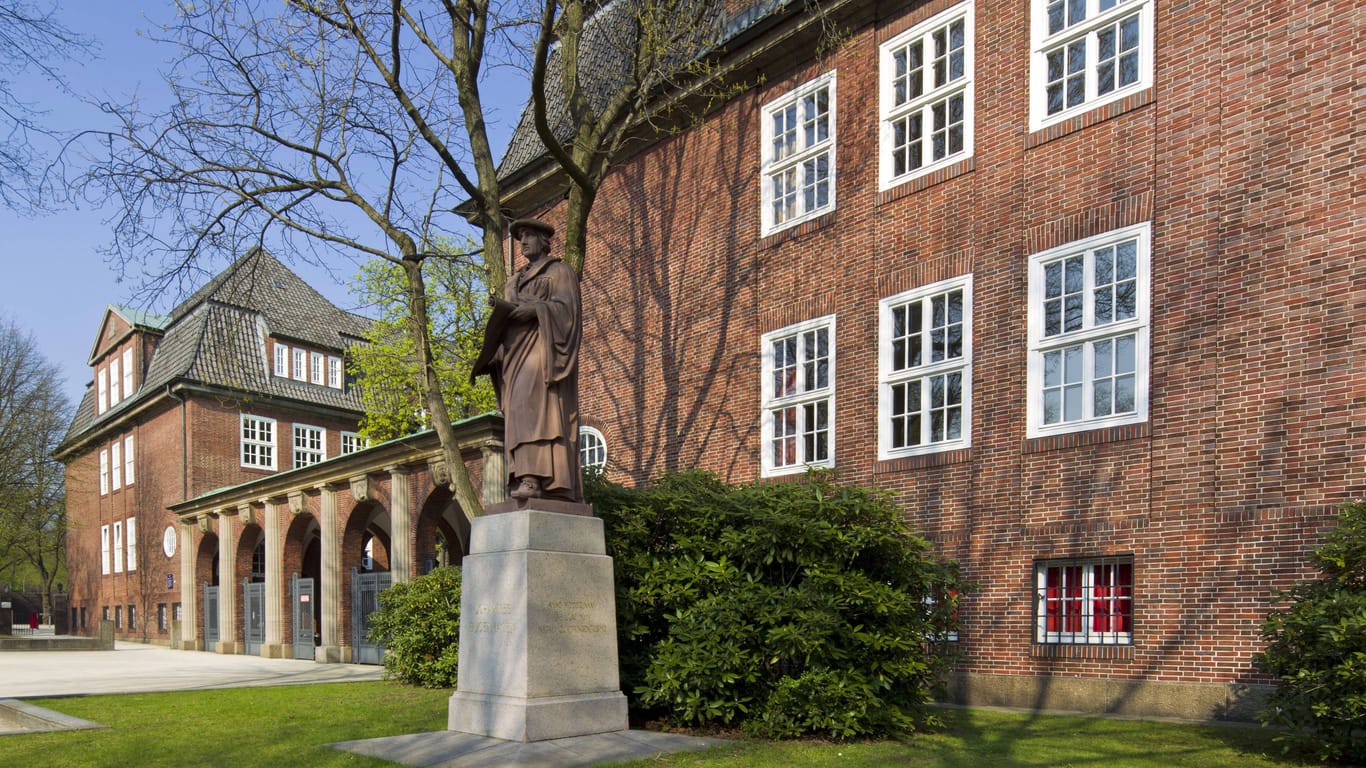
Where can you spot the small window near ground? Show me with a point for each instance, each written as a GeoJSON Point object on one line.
{"type": "Point", "coordinates": [1088, 602]}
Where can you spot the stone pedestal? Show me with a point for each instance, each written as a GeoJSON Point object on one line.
{"type": "Point", "coordinates": [538, 630]}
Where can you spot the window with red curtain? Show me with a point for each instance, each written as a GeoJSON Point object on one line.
{"type": "Point", "coordinates": [1080, 601]}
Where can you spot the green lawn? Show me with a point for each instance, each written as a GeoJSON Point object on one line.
{"type": "Point", "coordinates": [288, 726]}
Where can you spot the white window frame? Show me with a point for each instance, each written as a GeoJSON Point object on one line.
{"type": "Point", "coordinates": [1097, 19]}
{"type": "Point", "coordinates": [807, 394]}
{"type": "Point", "coordinates": [262, 453]}
{"type": "Point", "coordinates": [116, 465]}
{"type": "Point", "coordinates": [315, 368]}
{"type": "Point", "coordinates": [334, 372]}
{"type": "Point", "coordinates": [281, 360]}
{"type": "Point", "coordinates": [130, 530]}
{"type": "Point", "coordinates": [128, 372]}
{"type": "Point", "coordinates": [102, 386]}
{"type": "Point", "coordinates": [104, 472]}
{"type": "Point", "coordinates": [796, 162]}
{"type": "Point", "coordinates": [592, 449]}
{"type": "Point", "coordinates": [1087, 337]}
{"type": "Point", "coordinates": [352, 442]}
{"type": "Point", "coordinates": [1085, 601]}
{"type": "Point", "coordinates": [104, 551]}
{"type": "Point", "coordinates": [116, 550]}
{"type": "Point", "coordinates": [128, 460]}
{"type": "Point", "coordinates": [889, 377]}
{"type": "Point", "coordinates": [114, 379]}
{"type": "Point", "coordinates": [310, 445]}
{"type": "Point", "coordinates": [931, 96]}
{"type": "Point", "coordinates": [300, 364]}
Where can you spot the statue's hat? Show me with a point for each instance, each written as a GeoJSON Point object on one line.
{"type": "Point", "coordinates": [520, 224]}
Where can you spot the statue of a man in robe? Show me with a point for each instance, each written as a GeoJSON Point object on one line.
{"type": "Point", "coordinates": [531, 351]}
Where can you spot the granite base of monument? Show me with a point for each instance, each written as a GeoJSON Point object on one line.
{"type": "Point", "coordinates": [538, 636]}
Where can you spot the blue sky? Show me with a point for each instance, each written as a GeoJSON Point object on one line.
{"type": "Point", "coordinates": [59, 281]}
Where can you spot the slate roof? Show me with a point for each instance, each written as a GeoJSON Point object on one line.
{"type": "Point", "coordinates": [217, 336]}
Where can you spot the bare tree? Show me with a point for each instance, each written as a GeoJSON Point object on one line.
{"type": "Point", "coordinates": [31, 41]}
{"type": "Point", "coordinates": [330, 126]}
{"type": "Point", "coordinates": [34, 413]}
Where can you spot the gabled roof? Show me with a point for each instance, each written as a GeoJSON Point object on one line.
{"type": "Point", "coordinates": [216, 339]}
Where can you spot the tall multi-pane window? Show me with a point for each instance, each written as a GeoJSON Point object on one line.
{"type": "Point", "coordinates": [926, 84]}
{"type": "Point", "coordinates": [128, 460]}
{"type": "Point", "coordinates": [117, 549]}
{"type": "Point", "coordinates": [1088, 333]}
{"type": "Point", "coordinates": [104, 550]}
{"type": "Point", "coordinates": [1087, 53]}
{"type": "Point", "coordinates": [316, 371]}
{"type": "Point", "coordinates": [258, 442]}
{"type": "Point", "coordinates": [116, 465]}
{"type": "Point", "coordinates": [1084, 601]}
{"type": "Point", "coordinates": [592, 449]}
{"type": "Point", "coordinates": [798, 161]}
{"type": "Point", "coordinates": [925, 369]}
{"type": "Point", "coordinates": [334, 372]}
{"type": "Point", "coordinates": [128, 372]}
{"type": "Point", "coordinates": [104, 472]}
{"type": "Point", "coordinates": [300, 364]}
{"type": "Point", "coordinates": [114, 379]}
{"type": "Point", "coordinates": [799, 397]}
{"type": "Point", "coordinates": [309, 445]}
{"type": "Point", "coordinates": [352, 442]}
{"type": "Point", "coordinates": [131, 533]}
{"type": "Point", "coordinates": [281, 360]}
{"type": "Point", "coordinates": [102, 385]}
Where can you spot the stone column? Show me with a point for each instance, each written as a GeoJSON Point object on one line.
{"type": "Point", "coordinates": [227, 581]}
{"type": "Point", "coordinates": [276, 587]}
{"type": "Point", "coordinates": [329, 591]}
{"type": "Point", "coordinates": [189, 590]}
{"type": "Point", "coordinates": [495, 474]}
{"type": "Point", "coordinates": [400, 525]}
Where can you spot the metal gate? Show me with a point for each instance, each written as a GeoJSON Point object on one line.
{"type": "Point", "coordinates": [365, 589]}
{"type": "Point", "coordinates": [254, 614]}
{"type": "Point", "coordinates": [304, 600]}
{"type": "Point", "coordinates": [210, 617]}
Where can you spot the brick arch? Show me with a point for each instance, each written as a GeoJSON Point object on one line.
{"type": "Point", "coordinates": [443, 531]}
{"type": "Point", "coordinates": [252, 538]}
{"type": "Point", "coordinates": [302, 552]}
{"type": "Point", "coordinates": [368, 523]}
{"type": "Point", "coordinates": [205, 572]}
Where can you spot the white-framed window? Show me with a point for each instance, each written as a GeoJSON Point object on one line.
{"type": "Point", "coordinates": [104, 472]}
{"type": "Point", "coordinates": [281, 360]}
{"type": "Point", "coordinates": [315, 370]}
{"type": "Point", "coordinates": [1087, 53]}
{"type": "Point", "coordinates": [592, 449]}
{"type": "Point", "coordinates": [131, 532]}
{"type": "Point", "coordinates": [114, 396]}
{"type": "Point", "coordinates": [128, 460]}
{"type": "Point", "coordinates": [128, 372]}
{"type": "Point", "coordinates": [1089, 601]}
{"type": "Point", "coordinates": [102, 386]}
{"type": "Point", "coordinates": [104, 550]}
{"type": "Point", "coordinates": [258, 442]}
{"type": "Point", "coordinates": [925, 369]}
{"type": "Point", "coordinates": [334, 372]}
{"type": "Point", "coordinates": [352, 442]}
{"type": "Point", "coordinates": [310, 445]}
{"type": "Point", "coordinates": [927, 96]}
{"type": "Point", "coordinates": [117, 549]}
{"type": "Point", "coordinates": [798, 388]}
{"type": "Point", "coordinates": [300, 364]}
{"type": "Point", "coordinates": [798, 160]}
{"type": "Point", "coordinates": [1088, 333]}
{"type": "Point", "coordinates": [116, 465]}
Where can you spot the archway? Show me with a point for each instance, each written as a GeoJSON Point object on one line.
{"type": "Point", "coordinates": [443, 532]}
{"type": "Point", "coordinates": [303, 599]}
{"type": "Point", "coordinates": [365, 571]}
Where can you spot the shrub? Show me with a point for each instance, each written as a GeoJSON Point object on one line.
{"type": "Point", "coordinates": [787, 608]}
{"type": "Point", "coordinates": [419, 623]}
{"type": "Point", "coordinates": [1317, 647]}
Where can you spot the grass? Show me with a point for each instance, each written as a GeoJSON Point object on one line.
{"type": "Point", "coordinates": [289, 725]}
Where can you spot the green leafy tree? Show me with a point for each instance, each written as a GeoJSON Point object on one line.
{"type": "Point", "coordinates": [787, 608]}
{"type": "Point", "coordinates": [1317, 647]}
{"type": "Point", "coordinates": [418, 622]}
{"type": "Point", "coordinates": [388, 369]}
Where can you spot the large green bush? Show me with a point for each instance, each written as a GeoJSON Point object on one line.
{"type": "Point", "coordinates": [419, 624]}
{"type": "Point", "coordinates": [788, 608]}
{"type": "Point", "coordinates": [1317, 647]}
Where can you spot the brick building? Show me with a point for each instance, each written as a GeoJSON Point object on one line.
{"type": "Point", "coordinates": [243, 380]}
{"type": "Point", "coordinates": [1079, 281]}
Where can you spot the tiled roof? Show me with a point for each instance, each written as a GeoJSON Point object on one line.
{"type": "Point", "coordinates": [216, 338]}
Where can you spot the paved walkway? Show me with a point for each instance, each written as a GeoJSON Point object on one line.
{"type": "Point", "coordinates": [138, 668]}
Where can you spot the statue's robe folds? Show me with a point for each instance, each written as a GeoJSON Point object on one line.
{"type": "Point", "coordinates": [538, 389]}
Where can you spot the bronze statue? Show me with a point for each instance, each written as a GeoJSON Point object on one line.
{"type": "Point", "coordinates": [531, 352]}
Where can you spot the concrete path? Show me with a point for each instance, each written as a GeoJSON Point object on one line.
{"type": "Point", "coordinates": [138, 668]}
